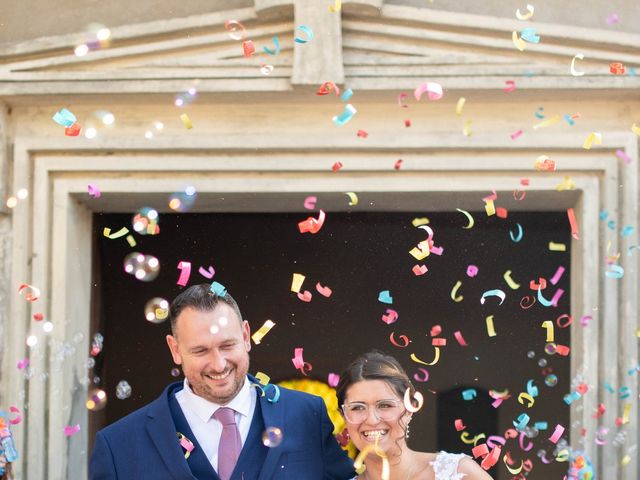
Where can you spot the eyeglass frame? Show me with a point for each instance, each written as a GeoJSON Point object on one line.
{"type": "Point", "coordinates": [395, 401]}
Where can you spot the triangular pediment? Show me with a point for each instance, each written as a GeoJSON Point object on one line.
{"type": "Point", "coordinates": [391, 49]}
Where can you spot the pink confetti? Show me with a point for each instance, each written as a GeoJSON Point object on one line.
{"type": "Point", "coordinates": [93, 190]}
{"type": "Point", "coordinates": [460, 339]}
{"type": "Point", "coordinates": [311, 224]}
{"type": "Point", "coordinates": [433, 90]}
{"type": "Point", "coordinates": [324, 291]}
{"type": "Point", "coordinates": [516, 134]}
{"type": "Point", "coordinates": [421, 378]}
{"type": "Point", "coordinates": [310, 202]}
{"type": "Point", "coordinates": [362, 134]}
{"type": "Point", "coordinates": [472, 271]}
{"type": "Point", "coordinates": [401, 100]}
{"type": "Point", "coordinates": [71, 430]}
{"type": "Point", "coordinates": [306, 296]}
{"type": "Point", "coordinates": [390, 317]}
{"type": "Point", "coordinates": [18, 418]}
{"type": "Point", "coordinates": [435, 330]}
{"type": "Point", "coordinates": [419, 270]}
{"type": "Point", "coordinates": [333, 379]}
{"type": "Point", "coordinates": [613, 19]}
{"type": "Point", "coordinates": [510, 86]}
{"type": "Point", "coordinates": [556, 434]}
{"type": "Point", "coordinates": [556, 276]}
{"type": "Point", "coordinates": [459, 425]}
{"type": "Point", "coordinates": [622, 155]}
{"type": "Point", "coordinates": [185, 273]}
{"type": "Point", "coordinates": [22, 364]}
{"type": "Point", "coordinates": [299, 362]}
{"type": "Point", "coordinates": [209, 273]}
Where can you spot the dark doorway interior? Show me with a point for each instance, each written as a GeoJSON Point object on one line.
{"type": "Point", "coordinates": [358, 255]}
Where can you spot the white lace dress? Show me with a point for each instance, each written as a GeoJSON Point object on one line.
{"type": "Point", "coordinates": [445, 466]}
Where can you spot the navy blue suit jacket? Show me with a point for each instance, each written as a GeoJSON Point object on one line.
{"type": "Point", "coordinates": [144, 445]}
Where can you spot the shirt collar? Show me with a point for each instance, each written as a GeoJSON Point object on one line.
{"type": "Point", "coordinates": [204, 409]}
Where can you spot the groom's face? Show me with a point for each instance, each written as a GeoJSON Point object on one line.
{"type": "Point", "coordinates": [213, 348]}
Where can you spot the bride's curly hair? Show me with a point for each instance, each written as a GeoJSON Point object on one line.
{"type": "Point", "coordinates": [376, 365]}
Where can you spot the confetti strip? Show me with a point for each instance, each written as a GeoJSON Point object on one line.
{"type": "Point", "coordinates": [185, 273]}
{"type": "Point", "coordinates": [262, 331]}
{"type": "Point", "coordinates": [525, 16]}
{"type": "Point", "coordinates": [574, 223]}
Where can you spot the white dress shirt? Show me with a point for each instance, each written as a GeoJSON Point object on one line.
{"type": "Point", "coordinates": [207, 430]}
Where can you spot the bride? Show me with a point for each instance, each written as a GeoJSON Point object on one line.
{"type": "Point", "coordinates": [370, 393]}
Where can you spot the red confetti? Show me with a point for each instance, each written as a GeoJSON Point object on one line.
{"type": "Point", "coordinates": [404, 339]}
{"type": "Point", "coordinates": [249, 48]}
{"type": "Point", "coordinates": [616, 68]}
{"type": "Point", "coordinates": [398, 164]}
{"type": "Point", "coordinates": [419, 270]}
{"type": "Point", "coordinates": [407, 123]}
{"type": "Point", "coordinates": [362, 134]}
{"type": "Point", "coordinates": [73, 130]}
{"type": "Point", "coordinates": [336, 166]}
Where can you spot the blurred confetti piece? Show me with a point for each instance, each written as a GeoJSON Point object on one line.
{"type": "Point", "coordinates": [73, 130]}
{"type": "Point", "coordinates": [22, 364]}
{"type": "Point", "coordinates": [345, 116]}
{"type": "Point", "coordinates": [460, 339]}
{"type": "Point", "coordinates": [324, 291]}
{"type": "Point", "coordinates": [248, 49]}
{"type": "Point", "coordinates": [186, 121]}
{"type": "Point", "coordinates": [419, 270]}
{"type": "Point", "coordinates": [615, 271]}
{"type": "Point", "coordinates": [418, 221]}
{"type": "Point", "coordinates": [218, 289]}
{"type": "Point", "coordinates": [404, 338]}
{"type": "Point", "coordinates": [612, 19]}
{"type": "Point", "coordinates": [421, 378]}
{"type": "Point", "coordinates": [574, 223]}
{"type": "Point", "coordinates": [336, 166]}
{"type": "Point", "coordinates": [346, 95]}
{"type": "Point", "coordinates": [622, 155]}
{"type": "Point", "coordinates": [236, 30]}
{"type": "Point", "coordinates": [390, 317]}
{"type": "Point", "coordinates": [64, 118]}
{"type": "Point", "coordinates": [530, 35]}
{"type": "Point", "coordinates": [617, 68]}
{"type": "Point", "coordinates": [333, 379]}
{"type": "Point", "coordinates": [306, 296]}
{"type": "Point", "coordinates": [276, 50]}
{"type": "Point", "coordinates": [517, 41]}
{"type": "Point", "coordinates": [525, 16]}
{"type": "Point", "coordinates": [185, 273]}
{"type": "Point", "coordinates": [460, 105]}
{"type": "Point", "coordinates": [296, 282]}
{"type": "Point", "coordinates": [71, 430]}
{"type": "Point", "coordinates": [120, 233]}
{"type": "Point", "coordinates": [538, 113]}
{"type": "Point", "coordinates": [29, 292]}
{"type": "Point", "coordinates": [261, 332]}
{"type": "Point", "coordinates": [502, 212]}
{"type": "Point", "coordinates": [353, 198]}
{"type": "Point", "coordinates": [557, 247]}
{"type": "Point", "coordinates": [93, 191]}
{"type": "Point", "coordinates": [466, 128]}
{"type": "Point", "coordinates": [593, 137]}
{"type": "Point", "coordinates": [266, 69]}
{"type": "Point", "coordinates": [454, 292]}
{"type": "Point", "coordinates": [18, 418]}
{"type": "Point", "coordinates": [510, 86]}
{"type": "Point", "coordinates": [299, 362]}
{"type": "Point", "coordinates": [362, 134]}
{"type": "Point", "coordinates": [548, 122]}
{"type": "Point", "coordinates": [401, 100]}
{"type": "Point", "coordinates": [544, 164]}
{"type": "Point", "coordinates": [516, 238]}
{"type": "Point", "coordinates": [491, 330]}
{"type": "Point", "coordinates": [470, 219]}
{"type": "Point", "coordinates": [308, 33]}
{"type": "Point", "coordinates": [516, 134]}
{"type": "Point", "coordinates": [459, 425]}
{"type": "Point", "coordinates": [132, 241]}
{"type": "Point", "coordinates": [472, 271]}
{"type": "Point", "coordinates": [573, 70]}
{"type": "Point", "coordinates": [311, 224]}
{"type": "Point", "coordinates": [635, 129]}
{"type": "Point", "coordinates": [327, 87]}
{"type": "Point", "coordinates": [310, 202]}
{"type": "Point", "coordinates": [493, 293]}
{"type": "Point", "coordinates": [385, 297]}
{"type": "Point", "coordinates": [398, 164]}
{"type": "Point", "coordinates": [557, 433]}
{"type": "Point", "coordinates": [566, 184]}
{"type": "Point", "coordinates": [512, 284]}
{"type": "Point", "coordinates": [336, 7]}
{"type": "Point", "coordinates": [208, 273]}
{"type": "Point", "coordinates": [432, 89]}
{"type": "Point", "coordinates": [469, 394]}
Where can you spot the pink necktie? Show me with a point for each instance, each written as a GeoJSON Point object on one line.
{"type": "Point", "coordinates": [230, 443]}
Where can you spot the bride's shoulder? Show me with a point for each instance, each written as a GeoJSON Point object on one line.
{"type": "Point", "coordinates": [457, 466]}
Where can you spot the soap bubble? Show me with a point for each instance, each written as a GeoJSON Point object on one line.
{"type": "Point", "coordinates": [144, 267]}
{"type": "Point", "coordinates": [550, 348]}
{"type": "Point", "coordinates": [551, 380]}
{"type": "Point", "coordinates": [183, 201]}
{"type": "Point", "coordinates": [272, 437]}
{"type": "Point", "coordinates": [145, 221]}
{"type": "Point", "coordinates": [156, 310]}
{"type": "Point", "coordinates": [542, 362]}
{"type": "Point", "coordinates": [531, 354]}
{"type": "Point", "coordinates": [123, 390]}
{"type": "Point", "coordinates": [175, 372]}
{"type": "Point", "coordinates": [96, 399]}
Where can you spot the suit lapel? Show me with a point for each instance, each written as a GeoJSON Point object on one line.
{"type": "Point", "coordinates": [161, 429]}
{"type": "Point", "coordinates": [273, 416]}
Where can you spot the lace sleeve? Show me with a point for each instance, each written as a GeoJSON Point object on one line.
{"type": "Point", "coordinates": [445, 466]}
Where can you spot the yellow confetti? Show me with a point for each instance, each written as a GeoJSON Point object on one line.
{"type": "Point", "coordinates": [548, 122]}
{"type": "Point", "coordinates": [625, 414]}
{"type": "Point", "coordinates": [593, 137]}
{"type": "Point", "coordinates": [635, 129]}
{"type": "Point", "coordinates": [416, 222]}
{"type": "Point", "coordinates": [466, 129]}
{"type": "Point", "coordinates": [296, 282]}
{"type": "Point", "coordinates": [625, 460]}
{"type": "Point", "coordinates": [336, 7]}
{"type": "Point", "coordinates": [491, 331]}
{"type": "Point", "coordinates": [469, 217]}
{"type": "Point", "coordinates": [527, 15]}
{"type": "Point", "coordinates": [518, 42]}
{"type": "Point", "coordinates": [120, 233]}
{"type": "Point", "coordinates": [464, 436]}
{"type": "Point", "coordinates": [454, 292]}
{"type": "Point", "coordinates": [525, 396]}
{"type": "Point", "coordinates": [435, 360]}
{"type": "Point", "coordinates": [358, 463]}
{"type": "Point", "coordinates": [421, 251]}
{"type": "Point", "coordinates": [263, 378]}
{"type": "Point", "coordinates": [512, 284]}
{"type": "Point", "coordinates": [186, 121]}
{"type": "Point", "coordinates": [548, 325]}
{"type": "Point", "coordinates": [353, 198]}
{"type": "Point", "coordinates": [557, 247]}
{"type": "Point", "coordinates": [132, 242]}
{"type": "Point", "coordinates": [460, 105]}
{"type": "Point", "coordinates": [573, 70]}
{"type": "Point", "coordinates": [489, 207]}
{"type": "Point", "coordinates": [566, 184]}
{"type": "Point", "coordinates": [262, 331]}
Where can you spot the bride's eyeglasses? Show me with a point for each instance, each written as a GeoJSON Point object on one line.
{"type": "Point", "coordinates": [384, 410]}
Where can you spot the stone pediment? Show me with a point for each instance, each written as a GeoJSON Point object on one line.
{"type": "Point", "coordinates": [369, 46]}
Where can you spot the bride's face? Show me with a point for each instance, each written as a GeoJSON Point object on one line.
{"type": "Point", "coordinates": [373, 411]}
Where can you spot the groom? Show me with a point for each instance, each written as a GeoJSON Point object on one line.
{"type": "Point", "coordinates": [211, 425]}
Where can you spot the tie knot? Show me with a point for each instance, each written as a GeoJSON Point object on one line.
{"type": "Point", "coordinates": [225, 415]}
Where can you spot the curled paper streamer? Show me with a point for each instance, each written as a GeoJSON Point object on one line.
{"type": "Point", "coordinates": [469, 218]}
{"type": "Point", "coordinates": [353, 198]}
{"type": "Point", "coordinates": [207, 273]}
{"type": "Point", "coordinates": [594, 137]}
{"type": "Point", "coordinates": [390, 317]}
{"type": "Point", "coordinates": [261, 332]}
{"type": "Point", "coordinates": [517, 41]}
{"type": "Point", "coordinates": [460, 105]}
{"type": "Point", "coordinates": [574, 72]}
{"type": "Point", "coordinates": [491, 330]}
{"type": "Point", "coordinates": [548, 325]}
{"type": "Point", "coordinates": [324, 291]}
{"type": "Point", "coordinates": [493, 293]}
{"type": "Point", "coordinates": [111, 236]}
{"type": "Point", "coordinates": [525, 16]}
{"type": "Point", "coordinates": [454, 292]}
{"type": "Point", "coordinates": [518, 237]}
{"type": "Point", "coordinates": [336, 7]}
{"type": "Point", "coordinates": [414, 404]}
{"type": "Point", "coordinates": [345, 116]}
{"type": "Point", "coordinates": [93, 190]}
{"type": "Point", "coordinates": [32, 293]}
{"type": "Point", "coordinates": [275, 51]}
{"type": "Point", "coordinates": [328, 87]}
{"type": "Point", "coordinates": [299, 362]}
{"type": "Point", "coordinates": [308, 33]}
{"type": "Point", "coordinates": [185, 273]}
{"type": "Point", "coordinates": [306, 296]}
{"type": "Point", "coordinates": [432, 89]}
{"type": "Point", "coordinates": [421, 378]}
{"type": "Point", "coordinates": [358, 463]}
{"type": "Point", "coordinates": [510, 86]}
{"type": "Point", "coordinates": [18, 417]}
{"type": "Point", "coordinates": [310, 202]}
{"type": "Point", "coordinates": [404, 338]}
{"type": "Point", "coordinates": [436, 358]}
{"type": "Point", "coordinates": [616, 271]}
{"type": "Point", "coordinates": [71, 430]}
{"type": "Point", "coordinates": [507, 278]}
{"type": "Point", "coordinates": [236, 30]}
{"type": "Point", "coordinates": [311, 224]}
